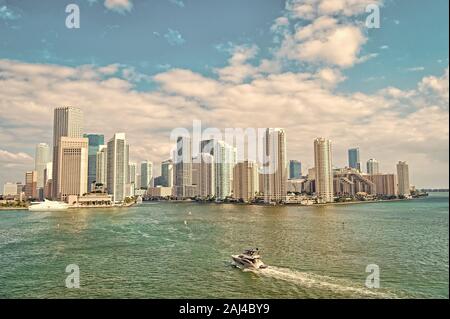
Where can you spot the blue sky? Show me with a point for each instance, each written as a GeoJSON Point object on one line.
{"type": "Point", "coordinates": [141, 37]}
{"type": "Point", "coordinates": [310, 66]}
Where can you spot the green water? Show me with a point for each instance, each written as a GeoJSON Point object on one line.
{"type": "Point", "coordinates": [161, 251]}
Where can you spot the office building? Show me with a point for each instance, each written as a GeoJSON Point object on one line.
{"type": "Point", "coordinates": [95, 141]}
{"type": "Point", "coordinates": [117, 167]}
{"type": "Point", "coordinates": [295, 169]}
{"type": "Point", "coordinates": [31, 185]}
{"type": "Point", "coordinates": [72, 167]}
{"type": "Point", "coordinates": [67, 122]}
{"type": "Point", "coordinates": [42, 157]}
{"type": "Point", "coordinates": [373, 167]}
{"type": "Point", "coordinates": [146, 174]}
{"type": "Point", "coordinates": [245, 181]}
{"type": "Point", "coordinates": [353, 158]}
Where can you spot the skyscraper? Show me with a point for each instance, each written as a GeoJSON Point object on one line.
{"type": "Point", "coordinates": [67, 122]}
{"type": "Point", "coordinates": [31, 184]}
{"type": "Point", "coordinates": [42, 157]}
{"type": "Point", "coordinates": [101, 165]}
{"type": "Point", "coordinates": [274, 166]}
{"type": "Point", "coordinates": [167, 173]}
{"type": "Point", "coordinates": [245, 181]}
{"type": "Point", "coordinates": [95, 140]}
{"type": "Point", "coordinates": [117, 167]}
{"type": "Point", "coordinates": [72, 167]}
{"type": "Point", "coordinates": [146, 174]}
{"type": "Point", "coordinates": [132, 169]}
{"type": "Point", "coordinates": [224, 159]}
{"type": "Point", "coordinates": [203, 175]}
{"type": "Point", "coordinates": [403, 179]}
{"type": "Point", "coordinates": [323, 170]}
{"type": "Point", "coordinates": [372, 167]}
{"type": "Point", "coordinates": [295, 169]}
{"type": "Point", "coordinates": [183, 166]}
{"type": "Point", "coordinates": [353, 158]}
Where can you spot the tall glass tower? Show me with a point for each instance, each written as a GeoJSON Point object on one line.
{"type": "Point", "coordinates": [95, 140]}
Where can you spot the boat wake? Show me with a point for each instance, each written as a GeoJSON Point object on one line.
{"type": "Point", "coordinates": [314, 281]}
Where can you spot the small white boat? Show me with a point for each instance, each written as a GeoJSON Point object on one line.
{"type": "Point", "coordinates": [250, 258]}
{"type": "Point", "coordinates": [48, 205]}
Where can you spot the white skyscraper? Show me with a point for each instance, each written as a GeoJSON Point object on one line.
{"type": "Point", "coordinates": [102, 166]}
{"type": "Point", "coordinates": [373, 167]}
{"type": "Point", "coordinates": [42, 157]}
{"type": "Point", "coordinates": [224, 157]}
{"type": "Point", "coordinates": [323, 170]}
{"type": "Point", "coordinates": [403, 179]}
{"type": "Point", "coordinates": [146, 174]}
{"type": "Point", "coordinates": [67, 122]}
{"type": "Point", "coordinates": [274, 167]}
{"type": "Point", "coordinates": [117, 167]}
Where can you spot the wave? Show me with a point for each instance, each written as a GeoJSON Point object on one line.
{"type": "Point", "coordinates": [311, 280]}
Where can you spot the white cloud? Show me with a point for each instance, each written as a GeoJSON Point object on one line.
{"type": "Point", "coordinates": [119, 5]}
{"type": "Point", "coordinates": [415, 69]}
{"type": "Point", "coordinates": [387, 125]}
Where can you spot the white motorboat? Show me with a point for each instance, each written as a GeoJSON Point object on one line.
{"type": "Point", "coordinates": [48, 205]}
{"type": "Point", "coordinates": [250, 258]}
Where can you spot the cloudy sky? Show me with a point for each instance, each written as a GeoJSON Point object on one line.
{"type": "Point", "coordinates": [310, 66]}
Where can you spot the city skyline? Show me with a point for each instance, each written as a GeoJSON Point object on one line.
{"type": "Point", "coordinates": [384, 94]}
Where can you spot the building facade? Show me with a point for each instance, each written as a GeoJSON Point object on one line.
{"type": "Point", "coordinates": [146, 174]}
{"type": "Point", "coordinates": [245, 181]}
{"type": "Point", "coordinates": [403, 179]}
{"type": "Point", "coordinates": [67, 122]}
{"type": "Point", "coordinates": [117, 167]}
{"type": "Point", "coordinates": [354, 159]}
{"type": "Point", "coordinates": [323, 170]}
{"type": "Point", "coordinates": [72, 167]}
{"type": "Point", "coordinates": [373, 167]}
{"type": "Point", "coordinates": [95, 141]}
{"type": "Point", "coordinates": [274, 167]}
{"type": "Point", "coordinates": [295, 169]}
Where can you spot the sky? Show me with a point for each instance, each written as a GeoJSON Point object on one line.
{"type": "Point", "coordinates": [312, 67]}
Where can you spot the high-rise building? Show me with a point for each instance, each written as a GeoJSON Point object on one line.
{"type": "Point", "coordinates": [245, 181]}
{"type": "Point", "coordinates": [101, 165]}
{"type": "Point", "coordinates": [10, 189]}
{"type": "Point", "coordinates": [167, 173]}
{"type": "Point", "coordinates": [353, 158]}
{"type": "Point", "coordinates": [224, 159]}
{"type": "Point", "coordinates": [403, 179]}
{"type": "Point", "coordinates": [385, 184]}
{"type": "Point", "coordinates": [95, 140]}
{"type": "Point", "coordinates": [146, 174]}
{"type": "Point", "coordinates": [323, 170]}
{"type": "Point", "coordinates": [274, 166]}
{"type": "Point", "coordinates": [132, 169]}
{"type": "Point", "coordinates": [373, 167]}
{"type": "Point", "coordinates": [31, 184]}
{"type": "Point", "coordinates": [48, 173]}
{"type": "Point", "coordinates": [295, 169]}
{"type": "Point", "coordinates": [72, 167]}
{"type": "Point", "coordinates": [67, 122]}
{"type": "Point", "coordinates": [42, 157]}
{"type": "Point", "coordinates": [203, 175]}
{"type": "Point", "coordinates": [117, 167]}
{"type": "Point", "coordinates": [183, 167]}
